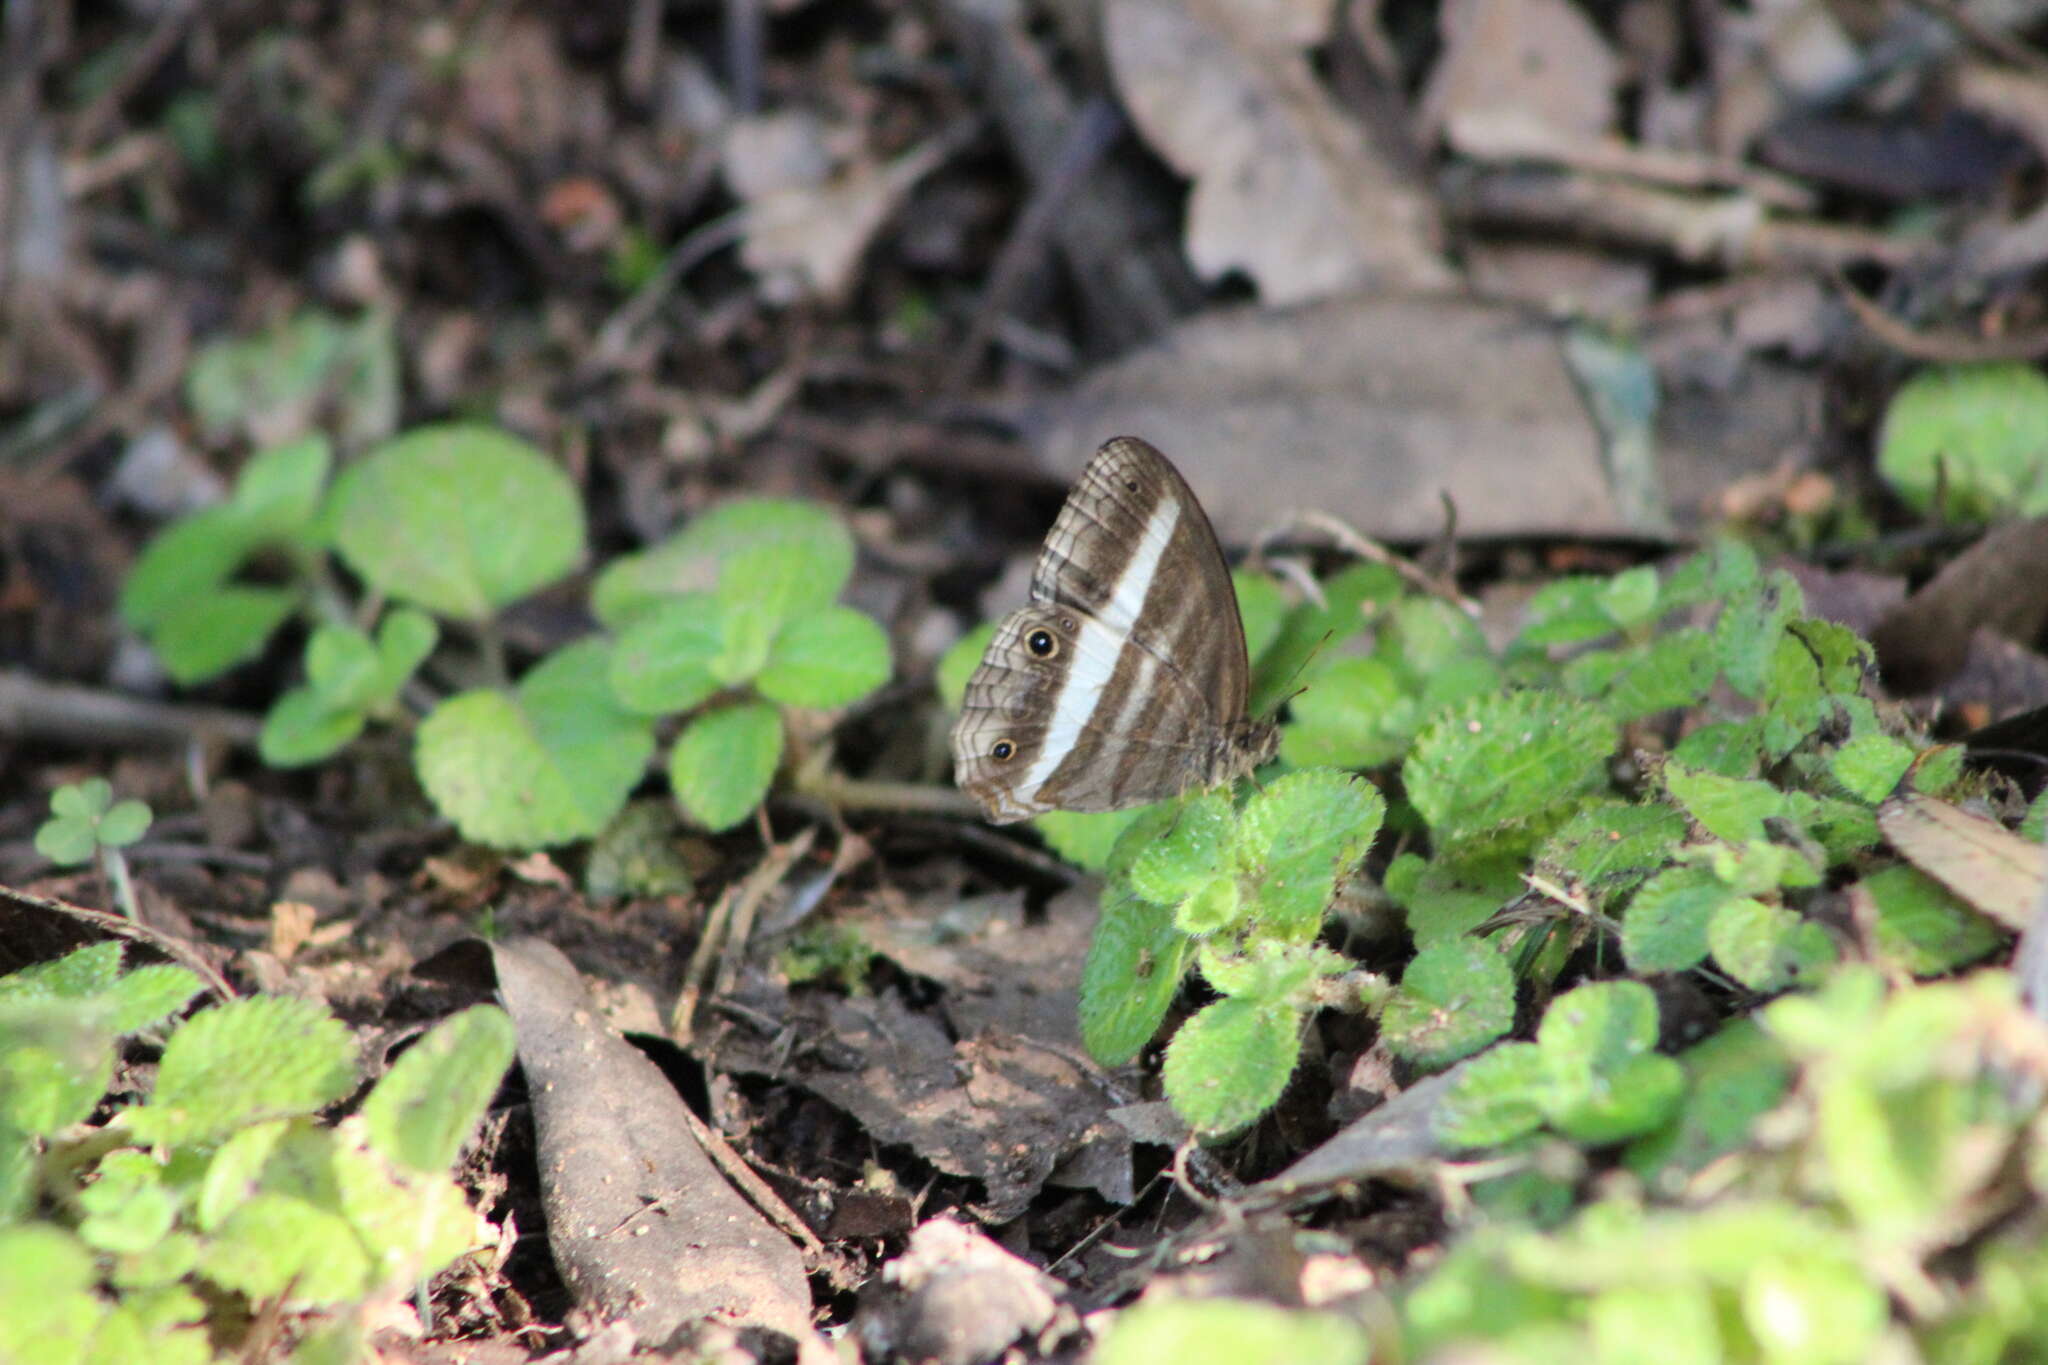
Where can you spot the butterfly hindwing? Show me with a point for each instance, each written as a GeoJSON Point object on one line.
{"type": "Point", "coordinates": [1125, 679]}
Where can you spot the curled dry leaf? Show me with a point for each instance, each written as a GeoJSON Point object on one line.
{"type": "Point", "coordinates": [1287, 188]}
{"type": "Point", "coordinates": [1538, 64]}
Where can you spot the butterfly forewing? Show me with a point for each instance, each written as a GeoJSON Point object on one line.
{"type": "Point", "coordinates": [1125, 679]}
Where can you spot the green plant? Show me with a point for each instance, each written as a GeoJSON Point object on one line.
{"type": "Point", "coordinates": [87, 824]}
{"type": "Point", "coordinates": [1975, 434]}
{"type": "Point", "coordinates": [727, 623]}
{"type": "Point", "coordinates": [160, 1230]}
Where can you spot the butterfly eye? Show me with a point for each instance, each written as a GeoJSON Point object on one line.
{"type": "Point", "coordinates": [1002, 750]}
{"type": "Point", "coordinates": [1041, 643]}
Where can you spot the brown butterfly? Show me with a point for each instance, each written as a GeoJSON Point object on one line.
{"type": "Point", "coordinates": [1125, 680]}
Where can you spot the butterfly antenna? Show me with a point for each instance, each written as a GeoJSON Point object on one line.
{"type": "Point", "coordinates": [1306, 660]}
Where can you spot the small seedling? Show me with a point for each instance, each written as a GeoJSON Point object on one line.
{"type": "Point", "coordinates": [88, 825]}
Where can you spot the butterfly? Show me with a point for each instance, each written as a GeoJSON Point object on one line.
{"type": "Point", "coordinates": [1125, 680]}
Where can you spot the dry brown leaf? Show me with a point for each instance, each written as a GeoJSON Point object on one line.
{"type": "Point", "coordinates": [1288, 188]}
{"type": "Point", "coordinates": [1531, 63]}
{"type": "Point", "coordinates": [1998, 583]}
{"type": "Point", "coordinates": [1369, 409]}
{"type": "Point", "coordinates": [1994, 871]}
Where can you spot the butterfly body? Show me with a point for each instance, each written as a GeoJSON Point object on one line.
{"type": "Point", "coordinates": [1125, 680]}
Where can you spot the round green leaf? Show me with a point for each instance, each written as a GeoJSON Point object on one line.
{"type": "Point", "coordinates": [1626, 1101]}
{"type": "Point", "coordinates": [124, 824]}
{"type": "Point", "coordinates": [460, 519]}
{"type": "Point", "coordinates": [1455, 998]}
{"type": "Point", "coordinates": [1191, 854]}
{"type": "Point", "coordinates": [1502, 762]}
{"type": "Point", "coordinates": [404, 640]}
{"type": "Point", "coordinates": [1298, 838]}
{"type": "Point", "coordinates": [1229, 1063]}
{"type": "Point", "coordinates": [551, 761]}
{"type": "Point", "coordinates": [267, 1056]}
{"type": "Point", "coordinates": [1497, 1097]}
{"type": "Point", "coordinates": [342, 667]}
{"type": "Point", "coordinates": [1130, 976]}
{"type": "Point", "coordinates": [300, 728]}
{"type": "Point", "coordinates": [1977, 432]}
{"type": "Point", "coordinates": [1767, 947]}
{"type": "Point", "coordinates": [1187, 1331]}
{"type": "Point", "coordinates": [723, 761]}
{"type": "Point", "coordinates": [67, 840]}
{"type": "Point", "coordinates": [829, 658]}
{"type": "Point", "coordinates": [279, 489]}
{"type": "Point", "coordinates": [1665, 929]}
{"type": "Point", "coordinates": [186, 561]}
{"type": "Point", "coordinates": [811, 536]}
{"type": "Point", "coordinates": [1354, 715]}
{"type": "Point", "coordinates": [662, 661]}
{"type": "Point", "coordinates": [427, 1105]}
{"type": "Point", "coordinates": [206, 636]}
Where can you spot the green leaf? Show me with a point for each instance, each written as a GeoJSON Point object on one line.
{"type": "Point", "coordinates": [1626, 1100]}
{"type": "Point", "coordinates": [1087, 838]}
{"type": "Point", "coordinates": [275, 1242]}
{"type": "Point", "coordinates": [342, 667]}
{"type": "Point", "coordinates": [1566, 611]}
{"type": "Point", "coordinates": [1665, 929]}
{"type": "Point", "coordinates": [263, 1057]}
{"type": "Point", "coordinates": [67, 840]}
{"type": "Point", "coordinates": [551, 761]}
{"type": "Point", "coordinates": [771, 584]}
{"type": "Point", "coordinates": [459, 519]}
{"type": "Point", "coordinates": [1767, 947]}
{"type": "Point", "coordinates": [1262, 608]}
{"type": "Point", "coordinates": [1189, 1331]}
{"type": "Point", "coordinates": [663, 660]}
{"type": "Point", "coordinates": [404, 640]}
{"type": "Point", "coordinates": [1499, 1096]}
{"type": "Point", "coordinates": [124, 824]}
{"type": "Point", "coordinates": [128, 1208]}
{"type": "Point", "coordinates": [1722, 570]}
{"type": "Point", "coordinates": [149, 995]}
{"type": "Point", "coordinates": [278, 491]}
{"type": "Point", "coordinates": [1447, 898]}
{"type": "Point", "coordinates": [1228, 1064]}
{"type": "Point", "coordinates": [300, 729]}
{"type": "Point", "coordinates": [1505, 761]}
{"type": "Point", "coordinates": [205, 636]}
{"type": "Point", "coordinates": [1869, 767]}
{"type": "Point", "coordinates": [1977, 432]}
{"type": "Point", "coordinates": [1752, 626]}
{"type": "Point", "coordinates": [1354, 715]}
{"type": "Point", "coordinates": [1729, 808]}
{"type": "Point", "coordinates": [1630, 598]}
{"type": "Point", "coordinates": [829, 658]}
{"type": "Point", "coordinates": [1671, 1324]}
{"type": "Point", "coordinates": [1298, 838]}
{"type": "Point", "coordinates": [694, 559]}
{"type": "Point", "coordinates": [1455, 998]}
{"type": "Point", "coordinates": [79, 974]}
{"type": "Point", "coordinates": [87, 800]}
{"type": "Point", "coordinates": [1732, 748]}
{"type": "Point", "coordinates": [1814, 1311]}
{"type": "Point", "coordinates": [1600, 1025]}
{"type": "Point", "coordinates": [1130, 976]}
{"type": "Point", "coordinates": [1610, 847]}
{"type": "Point", "coordinates": [1311, 633]}
{"type": "Point", "coordinates": [1916, 926]}
{"type": "Point", "coordinates": [723, 761]}
{"type": "Point", "coordinates": [1733, 1078]}
{"type": "Point", "coordinates": [1193, 852]}
{"type": "Point", "coordinates": [434, 1096]}
{"type": "Point", "coordinates": [185, 562]}
{"type": "Point", "coordinates": [1673, 670]}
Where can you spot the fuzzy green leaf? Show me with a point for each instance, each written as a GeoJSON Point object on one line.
{"type": "Point", "coordinates": [1732, 748]}
{"type": "Point", "coordinates": [1447, 898]}
{"type": "Point", "coordinates": [1087, 838]}
{"type": "Point", "coordinates": [1609, 848]}
{"type": "Point", "coordinates": [275, 1242]}
{"type": "Point", "coordinates": [405, 638]}
{"type": "Point", "coordinates": [278, 491]}
{"type": "Point", "coordinates": [1729, 808]}
{"type": "Point", "coordinates": [663, 660]}
{"type": "Point", "coordinates": [1354, 715]}
{"type": "Point", "coordinates": [1917, 926]}
{"type": "Point", "coordinates": [723, 761]}
{"type": "Point", "coordinates": [1131, 975]}
{"type": "Point", "coordinates": [1192, 853]}
{"type": "Point", "coordinates": [829, 658]}
{"type": "Point", "coordinates": [1751, 626]}
{"type": "Point", "coordinates": [459, 519]}
{"type": "Point", "coordinates": [79, 974]}
{"type": "Point", "coordinates": [1455, 998]}
{"type": "Point", "coordinates": [187, 561]}
{"type": "Point", "coordinates": [128, 1208]}
{"type": "Point", "coordinates": [1626, 1100]}
{"type": "Point", "coordinates": [1733, 1078]}
{"type": "Point", "coordinates": [149, 995]}
{"type": "Point", "coordinates": [1869, 767]}
{"type": "Point", "coordinates": [1767, 947]}
{"type": "Point", "coordinates": [431, 1100]}
{"type": "Point", "coordinates": [1566, 611]}
{"type": "Point", "coordinates": [1261, 607]}
{"type": "Point", "coordinates": [1665, 929]}
{"type": "Point", "coordinates": [341, 666]}
{"type": "Point", "coordinates": [1504, 761]}
{"type": "Point", "coordinates": [1298, 838]}
{"type": "Point", "coordinates": [694, 559]}
{"type": "Point", "coordinates": [1673, 670]}
{"type": "Point", "coordinates": [1600, 1025]}
{"type": "Point", "coordinates": [262, 1057]}
{"type": "Point", "coordinates": [1228, 1064]}
{"type": "Point", "coordinates": [1630, 598]}
{"type": "Point", "coordinates": [1499, 1096]}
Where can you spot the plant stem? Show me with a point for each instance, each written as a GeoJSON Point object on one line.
{"type": "Point", "coordinates": [116, 868]}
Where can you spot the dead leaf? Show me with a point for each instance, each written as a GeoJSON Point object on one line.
{"type": "Point", "coordinates": [1994, 871]}
{"type": "Point", "coordinates": [643, 1227]}
{"type": "Point", "coordinates": [1393, 1138]}
{"type": "Point", "coordinates": [1288, 188]}
{"type": "Point", "coordinates": [1538, 63]}
{"type": "Point", "coordinates": [1370, 409]}
{"type": "Point", "coordinates": [954, 1298]}
{"type": "Point", "coordinates": [291, 924]}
